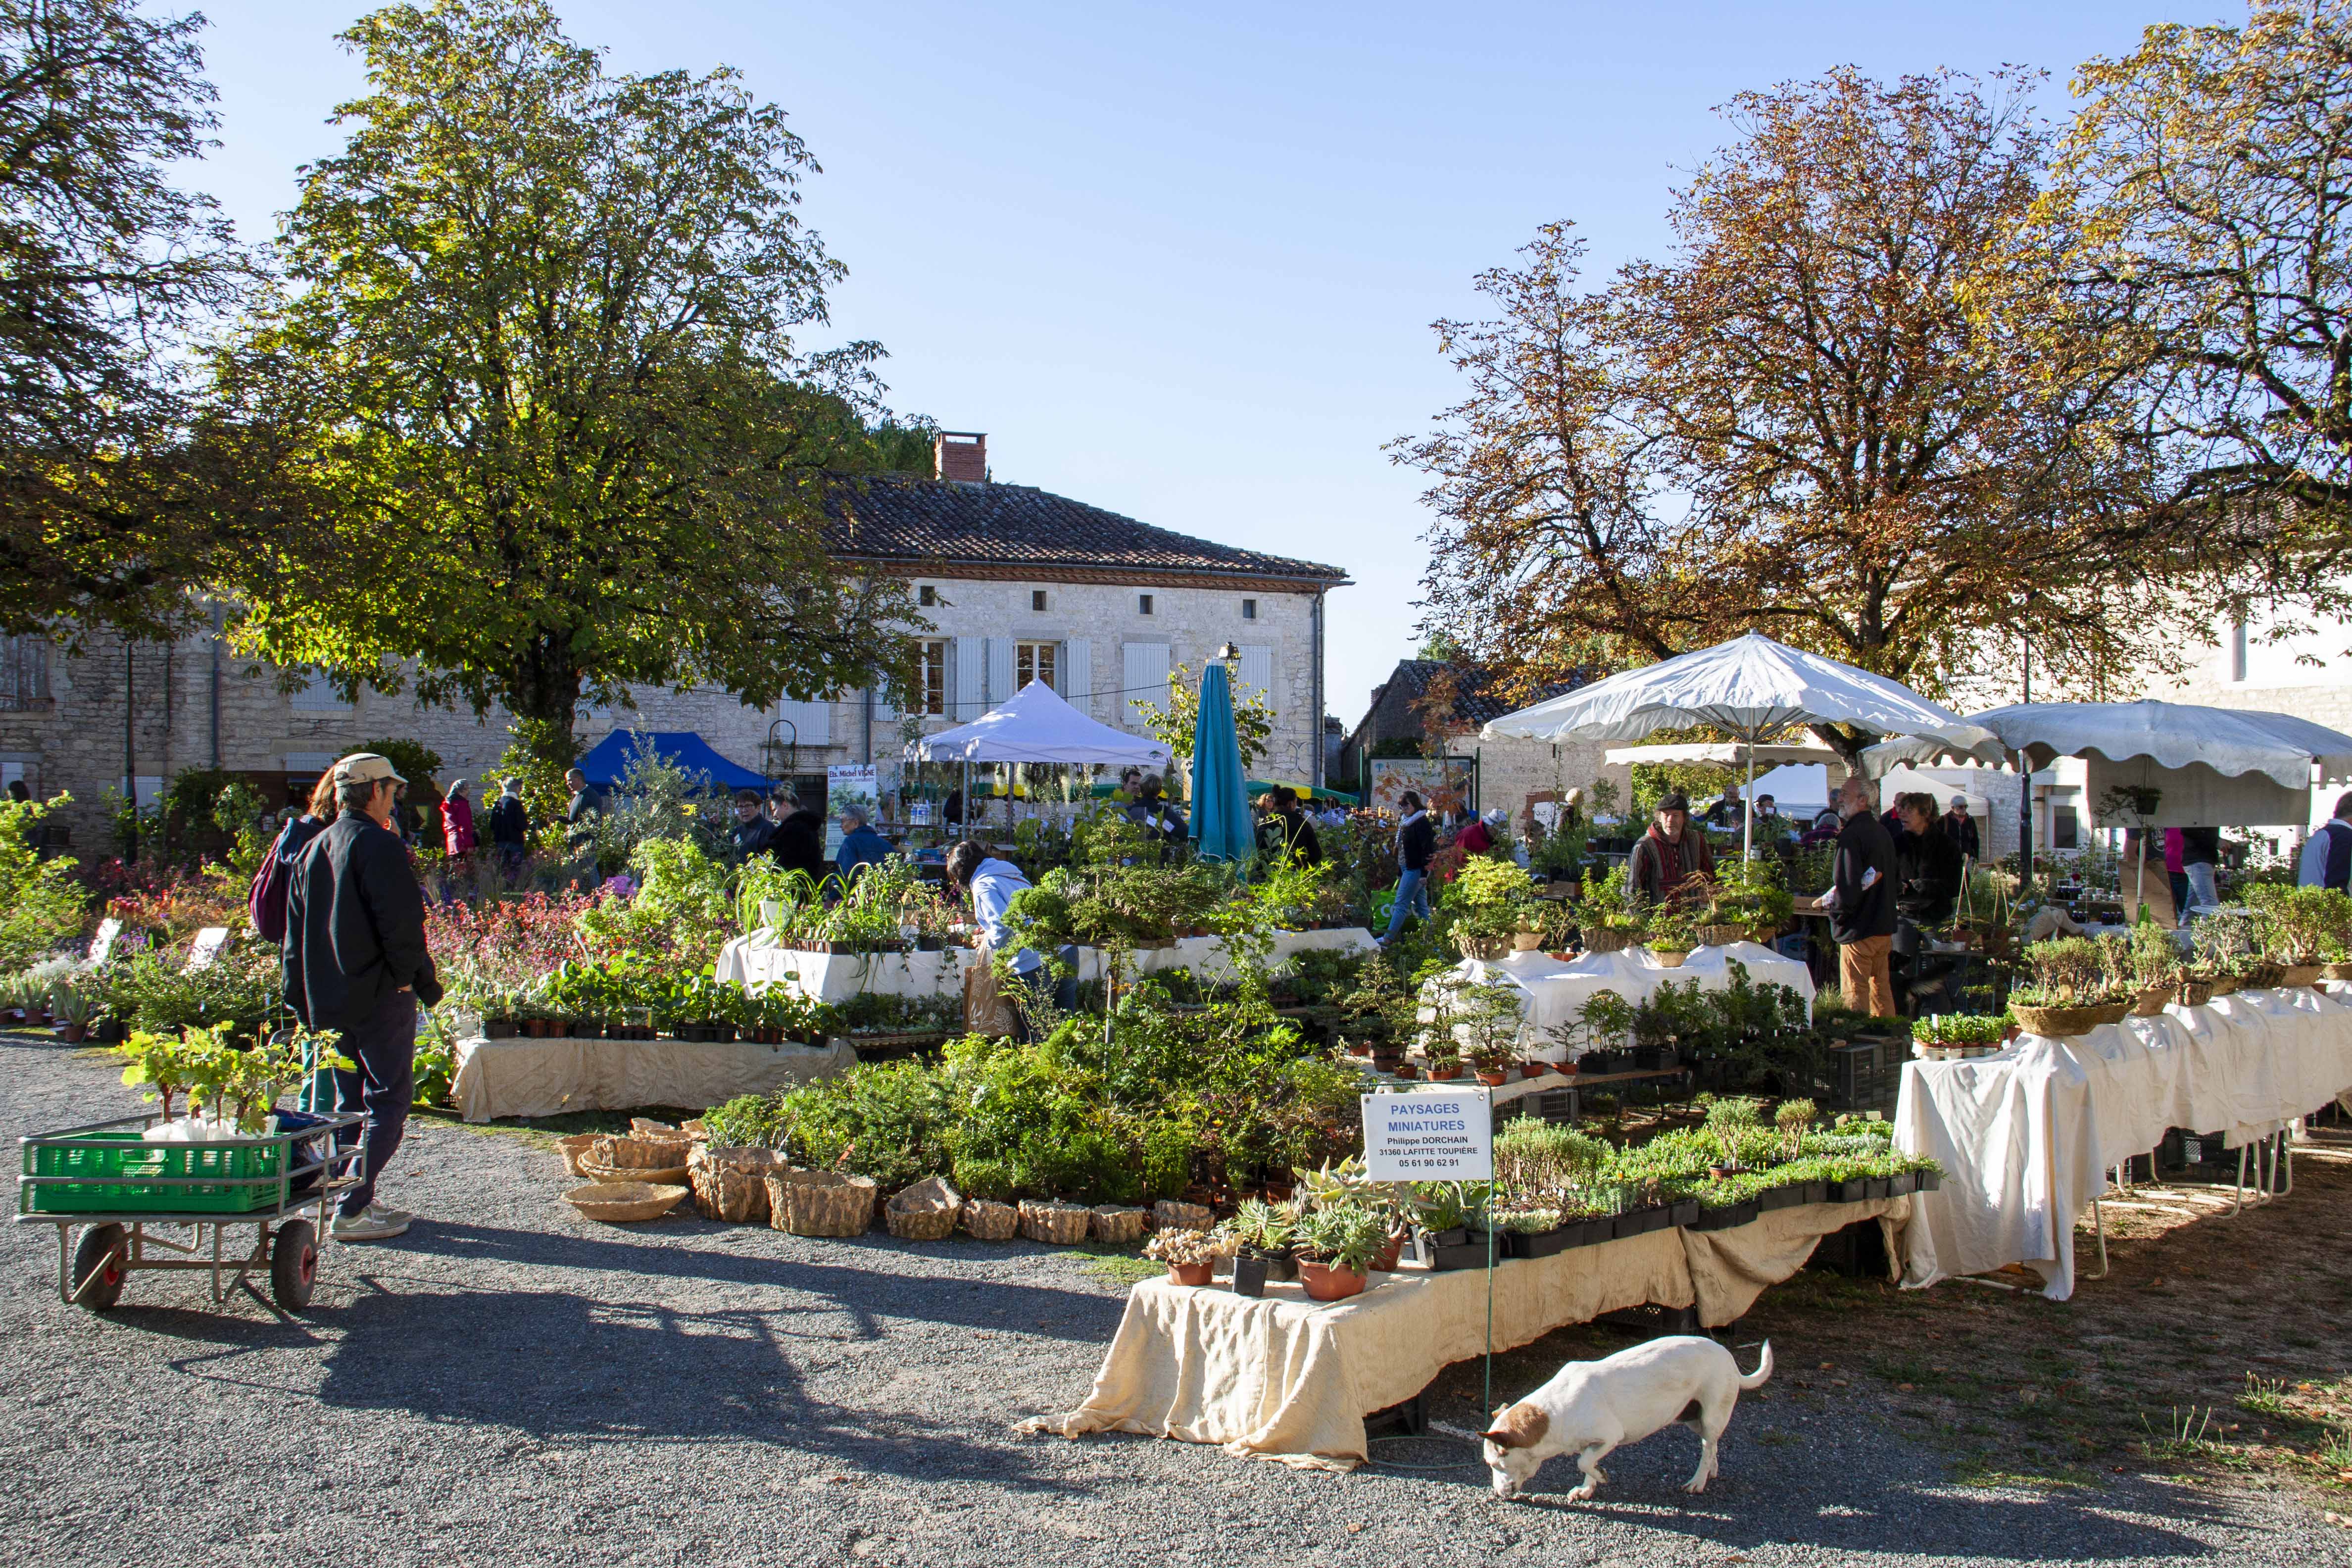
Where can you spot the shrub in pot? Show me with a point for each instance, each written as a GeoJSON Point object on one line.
{"type": "Point", "coordinates": [1190, 1255]}
{"type": "Point", "coordinates": [1338, 1248]}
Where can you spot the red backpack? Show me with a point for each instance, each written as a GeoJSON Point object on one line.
{"type": "Point", "coordinates": [266, 904]}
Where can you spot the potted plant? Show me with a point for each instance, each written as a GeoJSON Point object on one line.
{"type": "Point", "coordinates": [1604, 920]}
{"type": "Point", "coordinates": [2070, 989]}
{"type": "Point", "coordinates": [1670, 935]}
{"type": "Point", "coordinates": [1261, 1235]}
{"type": "Point", "coordinates": [71, 1010]}
{"type": "Point", "coordinates": [1491, 901]}
{"type": "Point", "coordinates": [1190, 1255]}
{"type": "Point", "coordinates": [1338, 1248]}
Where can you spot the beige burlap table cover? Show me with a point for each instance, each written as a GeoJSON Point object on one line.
{"type": "Point", "coordinates": [1280, 1377]}
{"type": "Point", "coordinates": [548, 1076]}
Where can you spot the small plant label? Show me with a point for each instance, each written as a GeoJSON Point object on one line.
{"type": "Point", "coordinates": [102, 946]}
{"type": "Point", "coordinates": [206, 947]}
{"type": "Point", "coordinates": [1430, 1135]}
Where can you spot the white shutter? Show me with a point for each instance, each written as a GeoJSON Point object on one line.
{"type": "Point", "coordinates": [971, 678]}
{"type": "Point", "coordinates": [1078, 674]}
{"type": "Point", "coordinates": [1257, 674]}
{"type": "Point", "coordinates": [1146, 680]}
{"type": "Point", "coordinates": [811, 722]}
{"type": "Point", "coordinates": [1000, 669]}
{"type": "Point", "coordinates": [883, 708]}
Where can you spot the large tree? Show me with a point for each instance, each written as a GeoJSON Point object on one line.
{"type": "Point", "coordinates": [1800, 422]}
{"type": "Point", "coordinates": [550, 415]}
{"type": "Point", "coordinates": [105, 263]}
{"type": "Point", "coordinates": [2202, 203]}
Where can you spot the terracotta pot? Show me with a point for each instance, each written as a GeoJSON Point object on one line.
{"type": "Point", "coordinates": [70, 1033]}
{"type": "Point", "coordinates": [1536, 1069]}
{"type": "Point", "coordinates": [1194, 1274]}
{"type": "Point", "coordinates": [1405, 1069]}
{"type": "Point", "coordinates": [1325, 1283]}
{"type": "Point", "coordinates": [1493, 1078]}
{"type": "Point", "coordinates": [1387, 1260]}
{"type": "Point", "coordinates": [1443, 1074]}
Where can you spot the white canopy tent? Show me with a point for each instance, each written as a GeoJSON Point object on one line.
{"type": "Point", "coordinates": [1034, 725]}
{"type": "Point", "coordinates": [1753, 687]}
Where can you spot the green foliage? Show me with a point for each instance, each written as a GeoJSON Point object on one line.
{"type": "Point", "coordinates": [1173, 726]}
{"type": "Point", "coordinates": [656, 800]}
{"type": "Point", "coordinates": [569, 443]}
{"type": "Point", "coordinates": [414, 761]}
{"type": "Point", "coordinates": [242, 988]}
{"type": "Point", "coordinates": [41, 904]}
{"type": "Point", "coordinates": [887, 1121]}
{"type": "Point", "coordinates": [684, 906]}
{"type": "Point", "coordinates": [1704, 783]}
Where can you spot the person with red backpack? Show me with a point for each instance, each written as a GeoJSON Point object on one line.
{"type": "Point", "coordinates": [266, 904]}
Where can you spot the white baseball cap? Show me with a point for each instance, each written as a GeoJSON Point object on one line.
{"type": "Point", "coordinates": [366, 767]}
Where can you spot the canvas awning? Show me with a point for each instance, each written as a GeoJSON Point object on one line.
{"type": "Point", "coordinates": [1034, 725]}
{"type": "Point", "coordinates": [608, 760]}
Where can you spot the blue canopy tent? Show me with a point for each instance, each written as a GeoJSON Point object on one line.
{"type": "Point", "coordinates": [1222, 829]}
{"type": "Point", "coordinates": [609, 759]}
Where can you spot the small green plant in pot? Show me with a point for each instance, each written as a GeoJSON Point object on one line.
{"type": "Point", "coordinates": [1261, 1234]}
{"type": "Point", "coordinates": [1190, 1255]}
{"type": "Point", "coordinates": [1337, 1249]}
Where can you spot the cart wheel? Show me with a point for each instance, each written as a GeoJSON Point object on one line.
{"type": "Point", "coordinates": [98, 1266]}
{"type": "Point", "coordinates": [293, 1264]}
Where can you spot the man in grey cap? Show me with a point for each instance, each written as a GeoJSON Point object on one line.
{"type": "Point", "coordinates": [355, 962]}
{"type": "Point", "coordinates": [1962, 828]}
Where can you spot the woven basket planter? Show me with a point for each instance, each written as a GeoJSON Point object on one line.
{"type": "Point", "coordinates": [622, 1202]}
{"type": "Point", "coordinates": [820, 1203]}
{"type": "Point", "coordinates": [1601, 939]}
{"type": "Point", "coordinates": [2225, 986]}
{"type": "Point", "coordinates": [1485, 949]}
{"type": "Point", "coordinates": [2058, 1023]}
{"type": "Point", "coordinates": [1670, 957]}
{"type": "Point", "coordinates": [574, 1147]}
{"type": "Point", "coordinates": [924, 1211]}
{"type": "Point", "coordinates": [2335, 972]}
{"type": "Point", "coordinates": [987, 1220]}
{"type": "Point", "coordinates": [2194, 992]}
{"type": "Point", "coordinates": [634, 1153]}
{"type": "Point", "coordinates": [2262, 977]}
{"type": "Point", "coordinates": [730, 1185]}
{"type": "Point", "coordinates": [1057, 1225]}
{"type": "Point", "coordinates": [2302, 974]}
{"type": "Point", "coordinates": [2151, 1000]}
{"type": "Point", "coordinates": [595, 1170]}
{"type": "Point", "coordinates": [1720, 935]}
{"type": "Point", "coordinates": [1116, 1227]}
{"type": "Point", "coordinates": [1170, 1214]}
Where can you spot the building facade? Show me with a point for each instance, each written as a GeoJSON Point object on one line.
{"type": "Point", "coordinates": [1017, 584]}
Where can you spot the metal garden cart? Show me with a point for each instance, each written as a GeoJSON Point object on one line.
{"type": "Point", "coordinates": [107, 1178]}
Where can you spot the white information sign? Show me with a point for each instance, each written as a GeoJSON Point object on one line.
{"type": "Point", "coordinates": [102, 946]}
{"type": "Point", "coordinates": [1434, 1134]}
{"type": "Point", "coordinates": [206, 947]}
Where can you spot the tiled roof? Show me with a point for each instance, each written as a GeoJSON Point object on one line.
{"type": "Point", "coordinates": [1476, 697]}
{"type": "Point", "coordinates": [950, 522]}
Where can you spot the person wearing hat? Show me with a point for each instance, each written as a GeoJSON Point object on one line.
{"type": "Point", "coordinates": [355, 962]}
{"type": "Point", "coordinates": [1667, 857]}
{"type": "Point", "coordinates": [457, 821]}
{"type": "Point", "coordinates": [1961, 829]}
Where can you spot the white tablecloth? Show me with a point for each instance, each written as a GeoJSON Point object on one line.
{"type": "Point", "coordinates": [1553, 990]}
{"type": "Point", "coordinates": [756, 961]}
{"type": "Point", "coordinates": [549, 1077]}
{"type": "Point", "coordinates": [2026, 1137]}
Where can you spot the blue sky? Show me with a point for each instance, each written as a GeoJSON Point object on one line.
{"type": "Point", "coordinates": [1180, 261]}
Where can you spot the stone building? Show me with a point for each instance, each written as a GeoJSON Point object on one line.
{"type": "Point", "coordinates": [1016, 582]}
{"type": "Point", "coordinates": [1452, 701]}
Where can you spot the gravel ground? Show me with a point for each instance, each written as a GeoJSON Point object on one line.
{"type": "Point", "coordinates": [509, 1383]}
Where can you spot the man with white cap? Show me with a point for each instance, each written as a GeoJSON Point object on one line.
{"type": "Point", "coordinates": [1962, 828]}
{"type": "Point", "coordinates": [355, 962]}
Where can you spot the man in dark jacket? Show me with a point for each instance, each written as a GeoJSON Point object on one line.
{"type": "Point", "coordinates": [1961, 829]}
{"type": "Point", "coordinates": [580, 815]}
{"type": "Point", "coordinates": [355, 962]}
{"type": "Point", "coordinates": [1416, 840]}
{"type": "Point", "coordinates": [1861, 901]}
{"type": "Point", "coordinates": [510, 826]}
{"type": "Point", "coordinates": [1286, 830]}
{"type": "Point", "coordinates": [798, 843]}
{"type": "Point", "coordinates": [1666, 857]}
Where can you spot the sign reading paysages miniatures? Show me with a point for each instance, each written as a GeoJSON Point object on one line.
{"type": "Point", "coordinates": [1430, 1135]}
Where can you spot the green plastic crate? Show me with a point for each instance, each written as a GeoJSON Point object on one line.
{"type": "Point", "coordinates": [108, 1178]}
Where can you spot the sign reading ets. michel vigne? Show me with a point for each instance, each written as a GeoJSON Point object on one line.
{"type": "Point", "coordinates": [1430, 1135]}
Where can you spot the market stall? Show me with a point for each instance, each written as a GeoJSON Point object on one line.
{"type": "Point", "coordinates": [1281, 1377]}
{"type": "Point", "coordinates": [1554, 991]}
{"type": "Point", "coordinates": [547, 1076]}
{"type": "Point", "coordinates": [2026, 1136]}
{"type": "Point", "coordinates": [756, 961]}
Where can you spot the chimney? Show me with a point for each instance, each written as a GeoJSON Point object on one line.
{"type": "Point", "coordinates": [961, 455]}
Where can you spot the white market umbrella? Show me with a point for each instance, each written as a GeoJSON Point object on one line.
{"type": "Point", "coordinates": [1750, 687]}
{"type": "Point", "coordinates": [2232, 742]}
{"type": "Point", "coordinates": [1034, 725]}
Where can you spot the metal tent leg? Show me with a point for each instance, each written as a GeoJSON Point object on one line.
{"type": "Point", "coordinates": [2099, 1227]}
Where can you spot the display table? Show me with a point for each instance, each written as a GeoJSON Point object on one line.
{"type": "Point", "coordinates": [548, 1076]}
{"type": "Point", "coordinates": [1553, 990]}
{"type": "Point", "coordinates": [1281, 1377]}
{"type": "Point", "coordinates": [2026, 1136]}
{"type": "Point", "coordinates": [755, 962]}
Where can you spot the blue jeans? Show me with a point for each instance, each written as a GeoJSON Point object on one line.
{"type": "Point", "coordinates": [1412, 895]}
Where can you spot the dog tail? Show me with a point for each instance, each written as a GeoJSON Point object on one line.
{"type": "Point", "coordinates": [1763, 1370]}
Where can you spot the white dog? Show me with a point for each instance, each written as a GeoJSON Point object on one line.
{"type": "Point", "coordinates": [1590, 1407]}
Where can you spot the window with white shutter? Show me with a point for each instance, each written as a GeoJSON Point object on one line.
{"type": "Point", "coordinates": [1078, 674]}
{"type": "Point", "coordinates": [24, 672]}
{"type": "Point", "coordinates": [1146, 680]}
{"type": "Point", "coordinates": [1000, 671]}
{"type": "Point", "coordinates": [811, 722]}
{"type": "Point", "coordinates": [1255, 674]}
{"type": "Point", "coordinates": [970, 675]}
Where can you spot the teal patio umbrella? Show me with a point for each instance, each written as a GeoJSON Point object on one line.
{"type": "Point", "coordinates": [1221, 815]}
